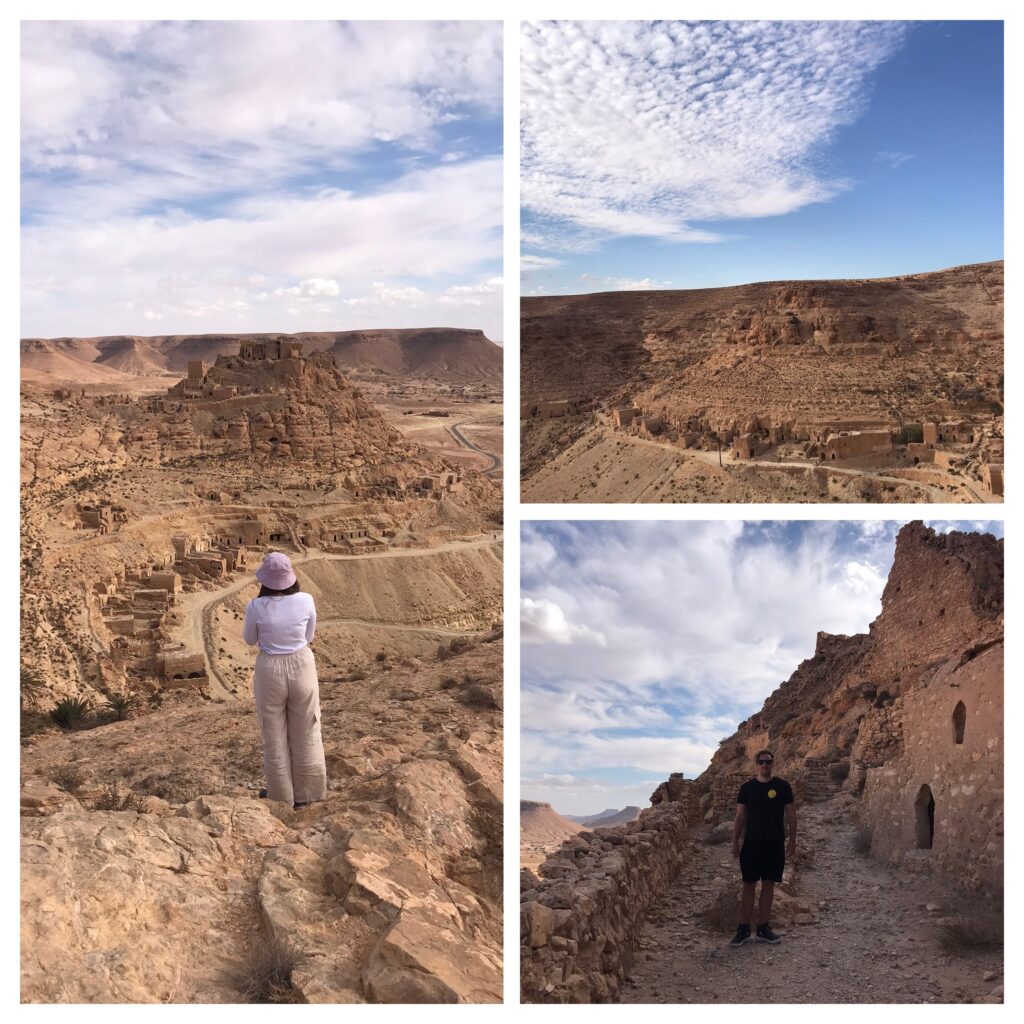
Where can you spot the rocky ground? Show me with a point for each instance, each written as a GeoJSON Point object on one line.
{"type": "Point", "coordinates": [387, 891]}
{"type": "Point", "coordinates": [572, 459]}
{"type": "Point", "coordinates": [854, 931]}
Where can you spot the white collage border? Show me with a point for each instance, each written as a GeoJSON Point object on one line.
{"type": "Point", "coordinates": [511, 14]}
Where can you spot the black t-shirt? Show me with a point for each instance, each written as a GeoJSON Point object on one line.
{"type": "Point", "coordinates": [765, 803]}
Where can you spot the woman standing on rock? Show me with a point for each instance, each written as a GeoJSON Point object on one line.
{"type": "Point", "coordinates": [282, 621]}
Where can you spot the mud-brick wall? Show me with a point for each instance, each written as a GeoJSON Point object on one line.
{"type": "Point", "coordinates": [965, 779]}
{"type": "Point", "coordinates": [578, 926]}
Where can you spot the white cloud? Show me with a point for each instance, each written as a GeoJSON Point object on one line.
{"type": "Point", "coordinates": [698, 623]}
{"type": "Point", "coordinates": [221, 156]}
{"type": "Point", "coordinates": [634, 128]}
{"type": "Point", "coordinates": [431, 224]}
{"type": "Point", "coordinates": [626, 284]}
{"type": "Point", "coordinates": [312, 288]}
{"type": "Point", "coordinates": [543, 621]}
{"type": "Point", "coordinates": [529, 263]}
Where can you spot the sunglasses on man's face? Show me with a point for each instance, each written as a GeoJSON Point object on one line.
{"type": "Point", "coordinates": [769, 761]}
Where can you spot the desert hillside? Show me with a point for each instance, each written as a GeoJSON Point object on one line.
{"type": "Point", "coordinates": [896, 384]}
{"type": "Point", "coordinates": [450, 354]}
{"type": "Point", "coordinates": [541, 829]}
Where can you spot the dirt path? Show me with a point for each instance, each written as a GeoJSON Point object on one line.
{"type": "Point", "coordinates": [933, 491]}
{"type": "Point", "coordinates": [460, 438]}
{"type": "Point", "coordinates": [196, 632]}
{"type": "Point", "coordinates": [869, 936]}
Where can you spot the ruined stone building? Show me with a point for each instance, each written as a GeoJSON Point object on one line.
{"type": "Point", "coordinates": [903, 726]}
{"type": "Point", "coordinates": [855, 443]}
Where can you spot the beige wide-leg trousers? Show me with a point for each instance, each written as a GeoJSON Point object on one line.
{"type": "Point", "coordinates": [287, 697]}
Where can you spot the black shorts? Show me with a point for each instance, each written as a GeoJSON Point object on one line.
{"type": "Point", "coordinates": [762, 859]}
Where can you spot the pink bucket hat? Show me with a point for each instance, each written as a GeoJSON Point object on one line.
{"type": "Point", "coordinates": [276, 571]}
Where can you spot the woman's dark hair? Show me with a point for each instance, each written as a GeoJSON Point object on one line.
{"type": "Point", "coordinates": [269, 592]}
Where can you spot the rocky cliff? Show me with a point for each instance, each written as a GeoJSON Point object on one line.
{"type": "Point", "coordinates": [798, 352]}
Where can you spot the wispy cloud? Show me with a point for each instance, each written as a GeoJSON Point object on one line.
{"type": "Point", "coordinates": [894, 158]}
{"type": "Point", "coordinates": [265, 154]}
{"type": "Point", "coordinates": [654, 129]}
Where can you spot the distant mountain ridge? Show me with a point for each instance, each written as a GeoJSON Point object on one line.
{"type": "Point", "coordinates": [452, 354]}
{"type": "Point", "coordinates": [609, 816]}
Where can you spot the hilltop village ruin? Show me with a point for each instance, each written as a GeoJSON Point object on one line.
{"type": "Point", "coordinates": [897, 733]}
{"type": "Point", "coordinates": [153, 499]}
{"type": "Point", "coordinates": [852, 391]}
{"type": "Point", "coordinates": [147, 504]}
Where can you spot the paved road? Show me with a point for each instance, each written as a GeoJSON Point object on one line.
{"type": "Point", "coordinates": [460, 438]}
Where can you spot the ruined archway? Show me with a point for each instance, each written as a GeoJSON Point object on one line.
{"type": "Point", "coordinates": [924, 808]}
{"type": "Point", "coordinates": [959, 721]}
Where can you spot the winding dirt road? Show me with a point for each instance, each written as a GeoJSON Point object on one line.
{"type": "Point", "coordinates": [196, 631]}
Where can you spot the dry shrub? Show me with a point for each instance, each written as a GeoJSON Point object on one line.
{"type": "Point", "coordinates": [114, 798]}
{"type": "Point", "coordinates": [478, 695]}
{"type": "Point", "coordinates": [265, 976]}
{"type": "Point", "coordinates": [862, 839]}
{"type": "Point", "coordinates": [974, 930]}
{"type": "Point", "coordinates": [69, 776]}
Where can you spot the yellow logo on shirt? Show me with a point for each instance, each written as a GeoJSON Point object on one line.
{"type": "Point", "coordinates": [771, 793]}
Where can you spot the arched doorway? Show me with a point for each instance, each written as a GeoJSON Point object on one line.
{"type": "Point", "coordinates": [924, 807]}
{"type": "Point", "coordinates": [959, 721]}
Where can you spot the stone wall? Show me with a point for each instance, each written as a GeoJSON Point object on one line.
{"type": "Point", "coordinates": [965, 779]}
{"type": "Point", "coordinates": [578, 925]}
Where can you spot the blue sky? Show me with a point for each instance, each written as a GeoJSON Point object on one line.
{"type": "Point", "coordinates": [645, 644]}
{"type": "Point", "coordinates": [688, 155]}
{"type": "Point", "coordinates": [185, 177]}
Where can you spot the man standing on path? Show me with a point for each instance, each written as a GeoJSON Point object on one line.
{"type": "Point", "coordinates": [761, 804]}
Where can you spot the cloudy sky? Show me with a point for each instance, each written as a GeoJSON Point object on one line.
{"type": "Point", "coordinates": [183, 177]}
{"type": "Point", "coordinates": [696, 154]}
{"type": "Point", "coordinates": [645, 644]}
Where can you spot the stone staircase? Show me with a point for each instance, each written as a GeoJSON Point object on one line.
{"type": "Point", "coordinates": [818, 784]}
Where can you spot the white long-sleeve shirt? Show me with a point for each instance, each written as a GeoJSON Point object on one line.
{"type": "Point", "coordinates": [280, 625]}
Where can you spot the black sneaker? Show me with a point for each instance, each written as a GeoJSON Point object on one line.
{"type": "Point", "coordinates": [765, 934]}
{"type": "Point", "coordinates": [742, 935]}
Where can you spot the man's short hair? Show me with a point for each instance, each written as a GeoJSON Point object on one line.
{"type": "Point", "coordinates": [760, 752]}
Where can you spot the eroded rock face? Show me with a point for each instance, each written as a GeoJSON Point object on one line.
{"type": "Point", "coordinates": [133, 908]}
{"type": "Point", "coordinates": [784, 351]}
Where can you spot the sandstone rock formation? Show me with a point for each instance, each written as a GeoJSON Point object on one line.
{"type": "Point", "coordinates": [900, 727]}
{"type": "Point", "coordinates": [766, 365]}
{"type": "Point", "coordinates": [124, 493]}
{"type": "Point", "coordinates": [389, 890]}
